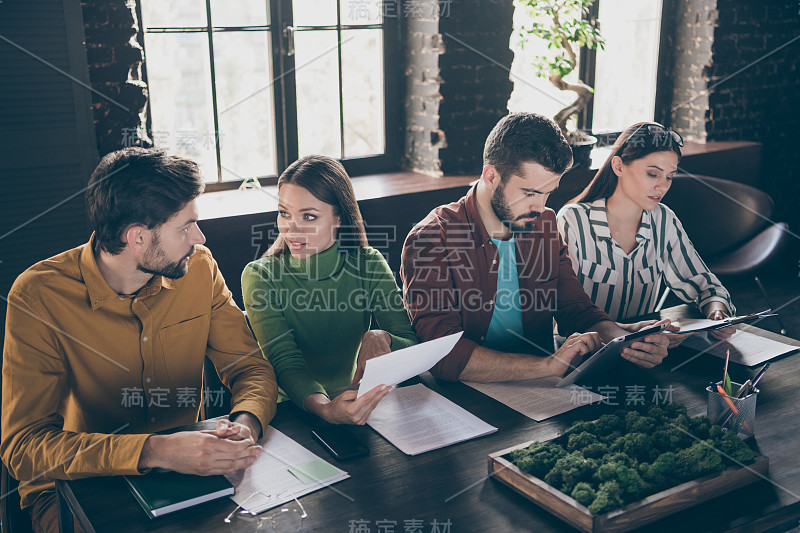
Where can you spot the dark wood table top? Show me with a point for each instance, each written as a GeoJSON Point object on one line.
{"type": "Point", "coordinates": [389, 490]}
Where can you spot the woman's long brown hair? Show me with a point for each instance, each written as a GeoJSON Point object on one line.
{"type": "Point", "coordinates": [327, 180]}
{"type": "Point", "coordinates": [634, 143]}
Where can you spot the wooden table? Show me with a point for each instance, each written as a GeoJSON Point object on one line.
{"type": "Point", "coordinates": [391, 492]}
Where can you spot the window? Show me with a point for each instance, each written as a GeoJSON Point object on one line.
{"type": "Point", "coordinates": [245, 87]}
{"type": "Point", "coordinates": [624, 74]}
{"type": "Point", "coordinates": [533, 93]}
{"type": "Point", "coordinates": [626, 71]}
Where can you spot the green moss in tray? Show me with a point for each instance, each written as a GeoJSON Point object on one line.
{"type": "Point", "coordinates": [630, 454]}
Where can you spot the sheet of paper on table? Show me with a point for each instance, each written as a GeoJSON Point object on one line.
{"type": "Point", "coordinates": [284, 469]}
{"type": "Point", "coordinates": [689, 325]}
{"type": "Point", "coordinates": [396, 367]}
{"type": "Point", "coordinates": [538, 399]}
{"type": "Point", "coordinates": [746, 348]}
{"type": "Point", "coordinates": [416, 420]}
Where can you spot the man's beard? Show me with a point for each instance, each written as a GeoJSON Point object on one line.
{"type": "Point", "coordinates": [503, 211]}
{"type": "Point", "coordinates": [153, 262]}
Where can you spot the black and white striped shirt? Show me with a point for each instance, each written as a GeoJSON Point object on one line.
{"type": "Point", "coordinates": [627, 285]}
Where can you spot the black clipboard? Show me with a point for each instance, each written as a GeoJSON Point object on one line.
{"type": "Point", "coordinates": [608, 355]}
{"type": "Point", "coordinates": [730, 321]}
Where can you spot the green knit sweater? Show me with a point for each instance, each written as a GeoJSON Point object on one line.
{"type": "Point", "coordinates": [309, 315]}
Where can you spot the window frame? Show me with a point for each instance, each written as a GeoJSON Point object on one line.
{"type": "Point", "coordinates": [663, 99]}
{"type": "Point", "coordinates": [285, 92]}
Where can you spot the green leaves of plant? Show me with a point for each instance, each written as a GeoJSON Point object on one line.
{"type": "Point", "coordinates": [727, 386]}
{"type": "Point", "coordinates": [562, 24]}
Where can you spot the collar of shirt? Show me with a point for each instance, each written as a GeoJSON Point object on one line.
{"type": "Point", "coordinates": [480, 235]}
{"type": "Point", "coordinates": [98, 288]}
{"type": "Point", "coordinates": [598, 217]}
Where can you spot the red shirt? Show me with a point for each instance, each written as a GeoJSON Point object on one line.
{"type": "Point", "coordinates": [449, 273]}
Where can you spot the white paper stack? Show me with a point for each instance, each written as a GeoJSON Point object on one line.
{"type": "Point", "coordinates": [416, 420]}
{"type": "Point", "coordinates": [284, 470]}
{"type": "Point", "coordinates": [538, 399]}
{"type": "Point", "coordinates": [746, 348]}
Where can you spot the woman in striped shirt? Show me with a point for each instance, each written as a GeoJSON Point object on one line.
{"type": "Point", "coordinates": [623, 242]}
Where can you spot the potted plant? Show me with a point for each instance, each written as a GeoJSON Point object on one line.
{"type": "Point", "coordinates": [566, 27]}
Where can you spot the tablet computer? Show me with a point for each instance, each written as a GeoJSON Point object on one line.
{"type": "Point", "coordinates": [608, 355]}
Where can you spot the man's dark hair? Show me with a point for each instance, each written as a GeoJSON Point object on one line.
{"type": "Point", "coordinates": [138, 186]}
{"type": "Point", "coordinates": [524, 138]}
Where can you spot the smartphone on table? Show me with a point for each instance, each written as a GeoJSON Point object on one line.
{"type": "Point", "coordinates": [339, 441]}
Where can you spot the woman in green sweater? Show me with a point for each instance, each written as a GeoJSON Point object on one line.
{"type": "Point", "coordinates": [313, 296]}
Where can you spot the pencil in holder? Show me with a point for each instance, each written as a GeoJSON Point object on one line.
{"type": "Point", "coordinates": [733, 414]}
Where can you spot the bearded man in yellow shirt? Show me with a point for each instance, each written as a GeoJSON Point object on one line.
{"type": "Point", "coordinates": [105, 343]}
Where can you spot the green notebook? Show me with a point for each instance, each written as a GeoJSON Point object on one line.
{"type": "Point", "coordinates": [164, 491]}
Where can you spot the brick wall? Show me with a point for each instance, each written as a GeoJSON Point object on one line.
{"type": "Point", "coordinates": [457, 82]}
{"type": "Point", "coordinates": [754, 83]}
{"type": "Point", "coordinates": [474, 69]}
{"type": "Point", "coordinates": [694, 22]}
{"type": "Point", "coordinates": [423, 44]}
{"type": "Point", "coordinates": [115, 60]}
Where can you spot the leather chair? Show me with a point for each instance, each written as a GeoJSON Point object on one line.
{"type": "Point", "coordinates": [221, 404]}
{"type": "Point", "coordinates": [728, 222]}
{"type": "Point", "coordinates": [12, 518]}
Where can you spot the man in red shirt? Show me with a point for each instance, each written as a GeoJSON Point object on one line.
{"type": "Point", "coordinates": [493, 265]}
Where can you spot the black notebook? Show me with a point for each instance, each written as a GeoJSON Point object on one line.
{"type": "Point", "coordinates": [164, 491]}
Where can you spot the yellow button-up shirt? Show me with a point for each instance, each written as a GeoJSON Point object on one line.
{"type": "Point", "coordinates": [89, 374]}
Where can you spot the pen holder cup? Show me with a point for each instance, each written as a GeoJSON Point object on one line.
{"type": "Point", "coordinates": [733, 414]}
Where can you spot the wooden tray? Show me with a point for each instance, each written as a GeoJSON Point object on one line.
{"type": "Point", "coordinates": [633, 515]}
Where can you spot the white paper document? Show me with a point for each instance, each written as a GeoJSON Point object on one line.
{"type": "Point", "coordinates": [538, 399]}
{"type": "Point", "coordinates": [689, 325]}
{"type": "Point", "coordinates": [746, 348]}
{"type": "Point", "coordinates": [396, 367]}
{"type": "Point", "coordinates": [416, 420]}
{"type": "Point", "coordinates": [284, 470]}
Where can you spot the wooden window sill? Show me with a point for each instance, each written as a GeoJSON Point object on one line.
{"type": "Point", "coordinates": [714, 158]}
